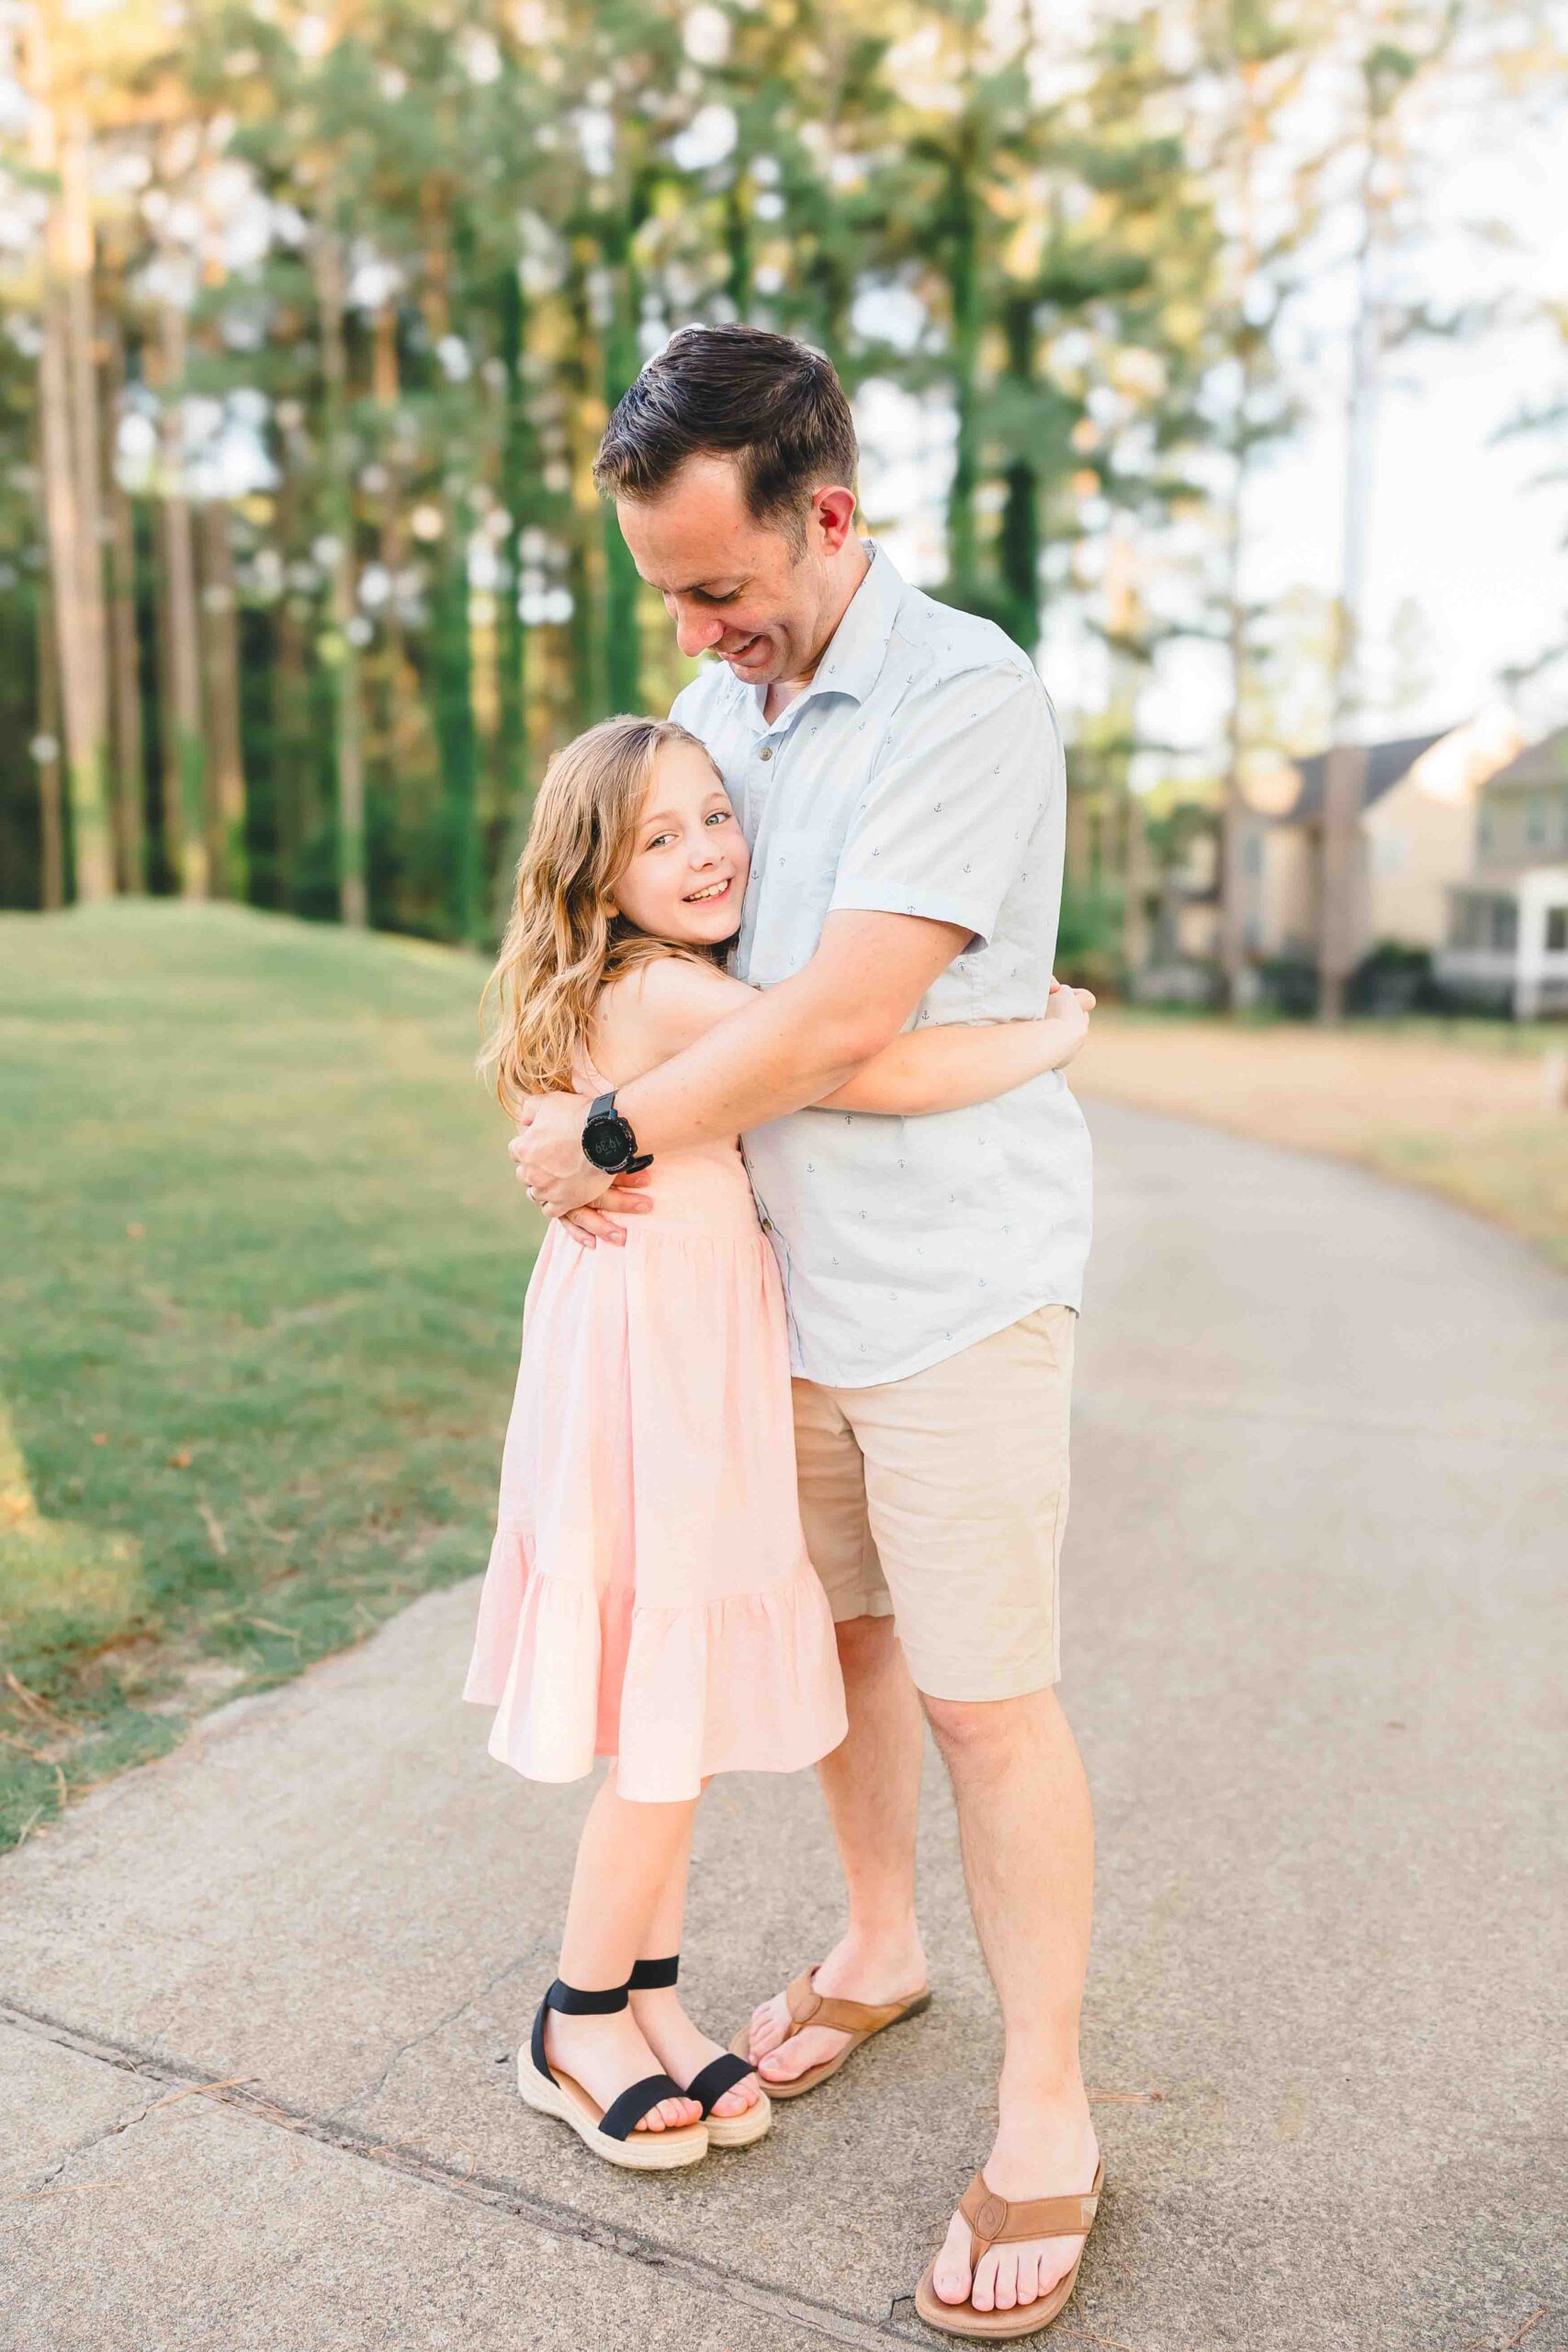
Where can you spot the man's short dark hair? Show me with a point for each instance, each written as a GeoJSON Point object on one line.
{"type": "Point", "coordinates": [772, 404]}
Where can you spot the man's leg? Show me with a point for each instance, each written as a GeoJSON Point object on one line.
{"type": "Point", "coordinates": [871, 1781]}
{"type": "Point", "coordinates": [1028, 1839]}
{"type": "Point", "coordinates": [966, 1484]}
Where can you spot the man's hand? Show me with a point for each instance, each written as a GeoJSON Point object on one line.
{"type": "Point", "coordinates": [548, 1156]}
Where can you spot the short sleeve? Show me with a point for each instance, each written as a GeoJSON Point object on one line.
{"type": "Point", "coordinates": [942, 829]}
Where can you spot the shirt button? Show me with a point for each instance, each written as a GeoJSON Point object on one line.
{"type": "Point", "coordinates": [766, 752]}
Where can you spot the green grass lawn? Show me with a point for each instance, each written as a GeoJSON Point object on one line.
{"type": "Point", "coordinates": [262, 1269]}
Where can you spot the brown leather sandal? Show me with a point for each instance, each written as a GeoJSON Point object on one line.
{"type": "Point", "coordinates": [993, 2221]}
{"type": "Point", "coordinates": [859, 2019]}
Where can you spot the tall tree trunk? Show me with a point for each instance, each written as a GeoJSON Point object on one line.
{"type": "Point", "coordinates": [1234, 812]}
{"type": "Point", "coordinates": [68, 446]}
{"type": "Point", "coordinates": [184, 743]}
{"type": "Point", "coordinates": [968, 321]}
{"type": "Point", "coordinates": [622, 587]}
{"type": "Point", "coordinates": [740, 259]}
{"type": "Point", "coordinates": [353, 881]}
{"type": "Point", "coordinates": [1019, 548]}
{"type": "Point", "coordinates": [125, 671]}
{"type": "Point", "coordinates": [452, 661]}
{"type": "Point", "coordinates": [51, 838]}
{"type": "Point", "coordinates": [86, 438]}
{"type": "Point", "coordinates": [396, 710]}
{"type": "Point", "coordinates": [516, 471]}
{"type": "Point", "coordinates": [221, 664]}
{"type": "Point", "coordinates": [585, 638]}
{"type": "Point", "coordinates": [1345, 776]}
{"type": "Point", "coordinates": [292, 791]}
{"type": "Point", "coordinates": [1125, 617]}
{"type": "Point", "coordinates": [455, 727]}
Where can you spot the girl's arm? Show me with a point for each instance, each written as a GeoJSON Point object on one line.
{"type": "Point", "coordinates": [950, 1067]}
{"type": "Point", "coordinates": [663, 1007]}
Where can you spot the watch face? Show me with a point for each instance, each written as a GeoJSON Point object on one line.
{"type": "Point", "coordinates": [608, 1141]}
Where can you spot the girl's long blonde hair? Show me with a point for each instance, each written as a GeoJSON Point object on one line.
{"type": "Point", "coordinates": [565, 939]}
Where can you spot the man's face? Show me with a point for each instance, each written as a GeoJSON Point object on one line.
{"type": "Point", "coordinates": [733, 586]}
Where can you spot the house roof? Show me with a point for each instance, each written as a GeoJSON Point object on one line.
{"type": "Point", "coordinates": [1542, 762]}
{"type": "Point", "coordinates": [1386, 764]}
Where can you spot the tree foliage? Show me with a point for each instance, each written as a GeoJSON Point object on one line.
{"type": "Point", "coordinates": [314, 313]}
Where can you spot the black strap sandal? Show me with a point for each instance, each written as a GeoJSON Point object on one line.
{"type": "Point", "coordinates": [709, 2083]}
{"type": "Point", "coordinates": [611, 2131]}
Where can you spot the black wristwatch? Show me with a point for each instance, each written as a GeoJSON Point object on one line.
{"type": "Point", "coordinates": [608, 1142]}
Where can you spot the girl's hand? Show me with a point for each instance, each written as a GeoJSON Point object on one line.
{"type": "Point", "coordinates": [1069, 1009]}
{"type": "Point", "coordinates": [627, 1196]}
{"type": "Point", "coordinates": [1085, 996]}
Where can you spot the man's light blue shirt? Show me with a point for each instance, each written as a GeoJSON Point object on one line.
{"type": "Point", "coordinates": [920, 773]}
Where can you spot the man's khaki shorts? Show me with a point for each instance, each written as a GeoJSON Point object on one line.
{"type": "Point", "coordinates": [941, 1501]}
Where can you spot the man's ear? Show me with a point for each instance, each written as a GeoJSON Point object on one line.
{"type": "Point", "coordinates": [833, 515]}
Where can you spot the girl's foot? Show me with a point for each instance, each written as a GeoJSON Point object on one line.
{"type": "Point", "coordinates": [681, 2050]}
{"type": "Point", "coordinates": [605, 2055]}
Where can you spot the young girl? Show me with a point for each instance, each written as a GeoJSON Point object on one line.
{"type": "Point", "coordinates": [648, 1597]}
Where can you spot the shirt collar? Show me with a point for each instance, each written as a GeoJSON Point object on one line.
{"type": "Point", "coordinates": [858, 647]}
{"type": "Point", "coordinates": [856, 651]}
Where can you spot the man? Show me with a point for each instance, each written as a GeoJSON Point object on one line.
{"type": "Point", "coordinates": [896, 768]}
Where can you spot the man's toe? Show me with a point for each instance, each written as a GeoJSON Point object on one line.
{"type": "Point", "coordinates": [951, 2276]}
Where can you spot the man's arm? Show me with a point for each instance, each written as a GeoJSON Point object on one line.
{"type": "Point", "coordinates": [928, 857]}
{"type": "Point", "coordinates": [794, 1044]}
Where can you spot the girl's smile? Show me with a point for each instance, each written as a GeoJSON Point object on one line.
{"type": "Point", "coordinates": [686, 876]}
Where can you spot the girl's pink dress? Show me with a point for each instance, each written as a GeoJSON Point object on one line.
{"type": "Point", "coordinates": [648, 1595]}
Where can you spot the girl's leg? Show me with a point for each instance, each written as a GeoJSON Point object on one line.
{"type": "Point", "coordinates": [624, 1857]}
{"type": "Point", "coordinates": [683, 2050]}
{"type": "Point", "coordinates": [669, 1916]}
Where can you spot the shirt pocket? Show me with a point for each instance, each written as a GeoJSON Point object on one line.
{"type": "Point", "coordinates": [793, 883]}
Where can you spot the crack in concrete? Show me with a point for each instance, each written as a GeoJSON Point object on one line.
{"type": "Point", "coordinates": [373, 2090]}
{"type": "Point", "coordinates": [84, 2148]}
{"type": "Point", "coordinates": [827, 2321]}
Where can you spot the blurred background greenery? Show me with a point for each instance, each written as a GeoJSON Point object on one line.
{"type": "Point", "coordinates": [314, 313]}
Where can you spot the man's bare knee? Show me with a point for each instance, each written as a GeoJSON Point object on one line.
{"type": "Point", "coordinates": [982, 1730]}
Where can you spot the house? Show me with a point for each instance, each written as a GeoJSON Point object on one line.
{"type": "Point", "coordinates": [1507, 938]}
{"type": "Point", "coordinates": [1416, 840]}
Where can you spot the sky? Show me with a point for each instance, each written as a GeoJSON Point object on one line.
{"type": "Point", "coordinates": [1459, 526]}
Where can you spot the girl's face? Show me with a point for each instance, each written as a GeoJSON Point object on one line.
{"type": "Point", "coordinates": [689, 862]}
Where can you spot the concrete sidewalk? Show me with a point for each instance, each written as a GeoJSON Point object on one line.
{"type": "Point", "coordinates": [1313, 1645]}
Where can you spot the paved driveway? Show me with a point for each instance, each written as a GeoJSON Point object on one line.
{"type": "Point", "coordinates": [1314, 1641]}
